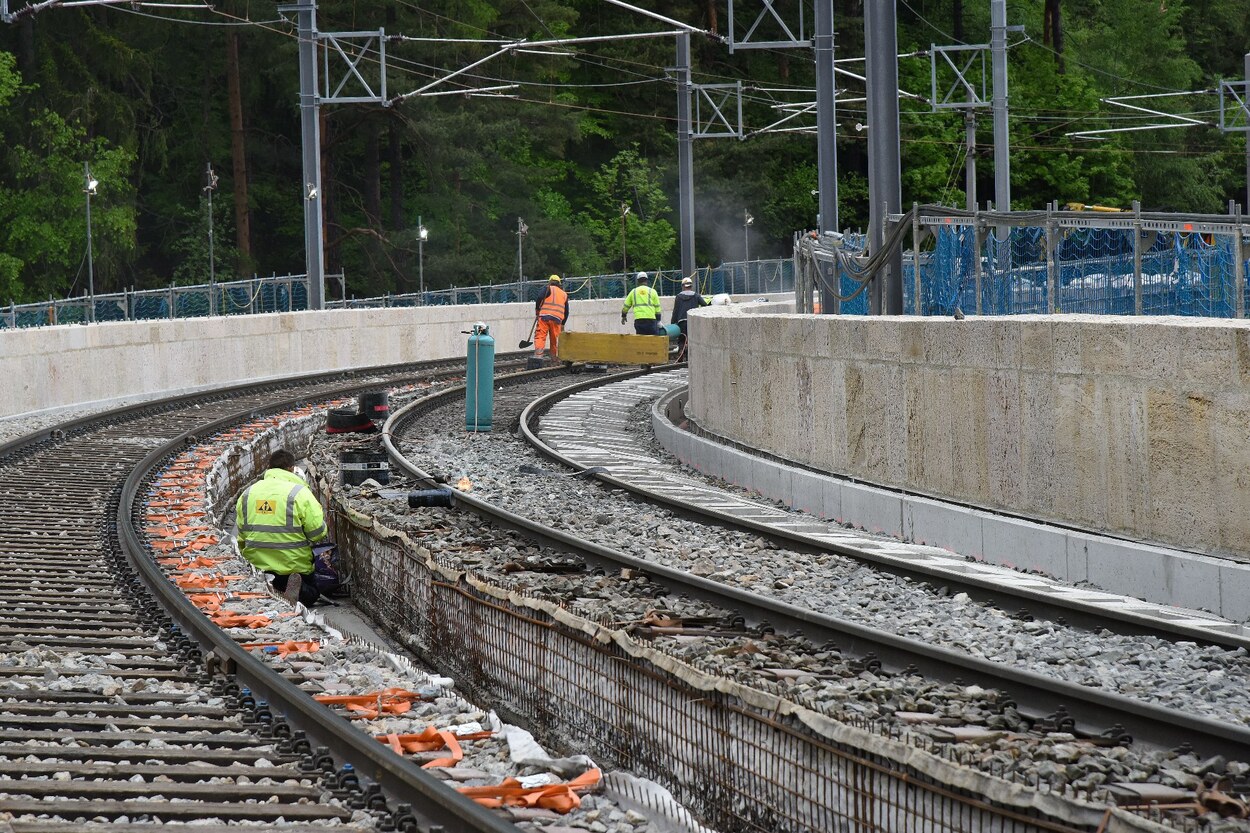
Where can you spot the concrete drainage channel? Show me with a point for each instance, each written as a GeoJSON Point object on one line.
{"type": "Point", "coordinates": [739, 758]}
{"type": "Point", "coordinates": [623, 804]}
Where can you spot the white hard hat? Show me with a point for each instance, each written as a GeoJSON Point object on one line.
{"type": "Point", "coordinates": [642, 276]}
{"type": "Point", "coordinates": [687, 282]}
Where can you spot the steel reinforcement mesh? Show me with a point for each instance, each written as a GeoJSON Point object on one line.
{"type": "Point", "coordinates": [737, 767]}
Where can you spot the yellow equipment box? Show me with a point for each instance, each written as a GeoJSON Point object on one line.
{"type": "Point", "coordinates": [613, 348]}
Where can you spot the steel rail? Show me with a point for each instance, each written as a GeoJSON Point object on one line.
{"type": "Point", "coordinates": [1036, 695]}
{"type": "Point", "coordinates": [431, 800]}
{"type": "Point", "coordinates": [1039, 603]}
{"type": "Point", "coordinates": [72, 426]}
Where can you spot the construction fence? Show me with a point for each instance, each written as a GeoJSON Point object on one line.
{"type": "Point", "coordinates": [984, 263]}
{"type": "Point", "coordinates": [287, 293]}
{"type": "Point", "coordinates": [1012, 263]}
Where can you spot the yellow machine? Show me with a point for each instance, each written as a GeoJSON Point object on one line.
{"type": "Point", "coordinates": [613, 348]}
{"type": "Point", "coordinates": [1080, 206]}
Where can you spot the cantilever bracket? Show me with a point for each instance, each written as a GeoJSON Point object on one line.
{"type": "Point", "coordinates": [783, 36]}
{"type": "Point", "coordinates": [969, 76]}
{"type": "Point", "coordinates": [351, 48]}
{"type": "Point", "coordinates": [717, 99]}
{"type": "Point", "coordinates": [1235, 106]}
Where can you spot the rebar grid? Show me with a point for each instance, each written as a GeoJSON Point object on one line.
{"type": "Point", "coordinates": [738, 768]}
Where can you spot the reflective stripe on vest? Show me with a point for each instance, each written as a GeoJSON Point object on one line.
{"type": "Point", "coordinates": [645, 309]}
{"type": "Point", "coordinates": [289, 526]}
{"type": "Point", "coordinates": [274, 538]}
{"type": "Point", "coordinates": [553, 304]}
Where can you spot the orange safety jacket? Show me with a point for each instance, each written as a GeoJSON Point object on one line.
{"type": "Point", "coordinates": [554, 304]}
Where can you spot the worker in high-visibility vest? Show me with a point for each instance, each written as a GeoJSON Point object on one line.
{"type": "Point", "coordinates": [645, 302]}
{"type": "Point", "coordinates": [552, 312]}
{"type": "Point", "coordinates": [279, 520]}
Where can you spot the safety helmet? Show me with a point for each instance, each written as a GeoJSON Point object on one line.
{"type": "Point", "coordinates": [642, 277]}
{"type": "Point", "coordinates": [554, 279]}
{"type": "Point", "coordinates": [687, 282]}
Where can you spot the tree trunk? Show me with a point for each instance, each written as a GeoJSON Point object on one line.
{"type": "Point", "coordinates": [957, 19]}
{"type": "Point", "coordinates": [238, 155]}
{"type": "Point", "coordinates": [372, 174]}
{"type": "Point", "coordinates": [26, 47]}
{"type": "Point", "coordinates": [1052, 31]}
{"type": "Point", "coordinates": [710, 10]}
{"type": "Point", "coordinates": [395, 162]}
{"type": "Point", "coordinates": [330, 224]}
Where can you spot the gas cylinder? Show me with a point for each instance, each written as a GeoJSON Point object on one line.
{"type": "Point", "coordinates": [479, 380]}
{"type": "Point", "coordinates": [670, 330]}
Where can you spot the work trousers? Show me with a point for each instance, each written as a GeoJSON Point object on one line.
{"type": "Point", "coordinates": [647, 326]}
{"type": "Point", "coordinates": [308, 592]}
{"type": "Point", "coordinates": [547, 327]}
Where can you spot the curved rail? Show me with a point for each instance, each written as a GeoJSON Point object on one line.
{"type": "Point", "coordinates": [1038, 602]}
{"type": "Point", "coordinates": [399, 777]}
{"type": "Point", "coordinates": [1036, 694]}
{"type": "Point", "coordinates": [431, 801]}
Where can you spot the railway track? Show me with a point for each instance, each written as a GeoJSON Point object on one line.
{"type": "Point", "coordinates": [584, 427]}
{"type": "Point", "coordinates": [1048, 704]}
{"type": "Point", "coordinates": [121, 705]}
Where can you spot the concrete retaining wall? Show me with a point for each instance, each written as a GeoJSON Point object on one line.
{"type": "Point", "coordinates": [53, 367]}
{"type": "Point", "coordinates": [1137, 427]}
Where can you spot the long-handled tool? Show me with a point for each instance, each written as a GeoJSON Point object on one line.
{"type": "Point", "coordinates": [526, 342]}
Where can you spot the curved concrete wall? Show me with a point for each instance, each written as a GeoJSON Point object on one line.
{"type": "Point", "coordinates": [1138, 427]}
{"type": "Point", "coordinates": [52, 367]}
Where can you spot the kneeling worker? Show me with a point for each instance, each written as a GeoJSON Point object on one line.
{"type": "Point", "coordinates": [279, 520]}
{"type": "Point", "coordinates": [552, 310]}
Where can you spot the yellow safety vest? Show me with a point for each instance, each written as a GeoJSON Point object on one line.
{"type": "Point", "coordinates": [278, 520]}
{"type": "Point", "coordinates": [645, 302]}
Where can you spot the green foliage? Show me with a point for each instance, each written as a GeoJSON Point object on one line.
{"type": "Point", "coordinates": [43, 222]}
{"type": "Point", "coordinates": [626, 199]}
{"type": "Point", "coordinates": [588, 128]}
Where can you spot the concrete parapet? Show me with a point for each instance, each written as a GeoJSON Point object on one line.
{"type": "Point", "coordinates": [1154, 573]}
{"type": "Point", "coordinates": [1134, 427]}
{"type": "Point", "coordinates": [53, 367]}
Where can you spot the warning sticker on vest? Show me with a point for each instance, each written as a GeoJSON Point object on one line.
{"type": "Point", "coordinates": [266, 507]}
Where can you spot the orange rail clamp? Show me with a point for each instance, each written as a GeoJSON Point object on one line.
{"type": "Point", "coordinates": [370, 706]}
{"type": "Point", "coordinates": [560, 798]}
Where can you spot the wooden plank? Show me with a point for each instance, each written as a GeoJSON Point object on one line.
{"type": "Point", "coordinates": [613, 348]}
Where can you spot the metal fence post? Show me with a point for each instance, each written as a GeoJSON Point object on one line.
{"type": "Point", "coordinates": [977, 243]}
{"type": "Point", "coordinates": [12, 315]}
{"type": "Point", "coordinates": [915, 257]}
{"type": "Point", "coordinates": [171, 299]}
{"type": "Point", "coordinates": [254, 291]}
{"type": "Point", "coordinates": [1138, 304]}
{"type": "Point", "coordinates": [1052, 279]}
{"type": "Point", "coordinates": [52, 309]}
{"type": "Point", "coordinates": [1239, 268]}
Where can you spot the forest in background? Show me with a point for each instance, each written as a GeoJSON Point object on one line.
{"type": "Point", "coordinates": [150, 96]}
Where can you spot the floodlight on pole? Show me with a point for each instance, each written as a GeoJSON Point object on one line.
{"type": "Point", "coordinates": [747, 220]}
{"type": "Point", "coordinates": [90, 184]}
{"type": "Point", "coordinates": [209, 188]}
{"type": "Point", "coordinates": [624, 212]}
{"type": "Point", "coordinates": [423, 234]}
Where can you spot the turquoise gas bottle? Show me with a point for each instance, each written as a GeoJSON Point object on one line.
{"type": "Point", "coordinates": [479, 380]}
{"type": "Point", "coordinates": [671, 330]}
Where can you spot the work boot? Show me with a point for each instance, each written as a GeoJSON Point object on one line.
{"type": "Point", "coordinates": [293, 584]}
